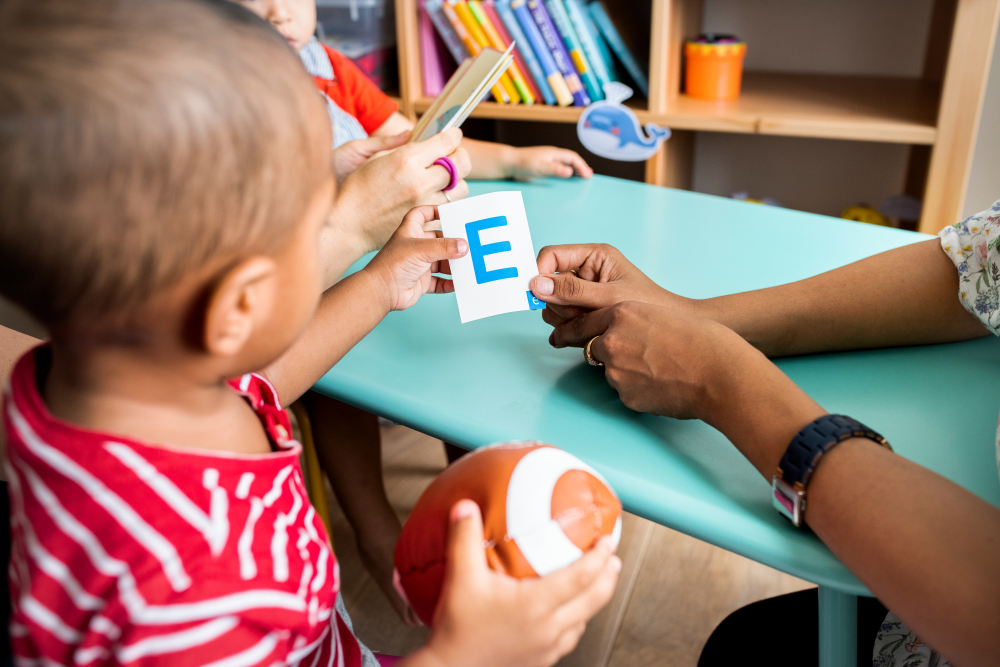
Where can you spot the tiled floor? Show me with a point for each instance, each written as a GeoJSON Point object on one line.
{"type": "Point", "coordinates": [673, 590]}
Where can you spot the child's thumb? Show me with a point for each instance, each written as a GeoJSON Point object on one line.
{"type": "Point", "coordinates": [434, 250]}
{"type": "Point", "coordinates": [466, 553]}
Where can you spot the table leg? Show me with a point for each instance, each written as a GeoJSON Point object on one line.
{"type": "Point", "coordinates": [838, 628]}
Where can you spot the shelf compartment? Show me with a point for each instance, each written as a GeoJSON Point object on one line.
{"type": "Point", "coordinates": [536, 112]}
{"type": "Point", "coordinates": [862, 108]}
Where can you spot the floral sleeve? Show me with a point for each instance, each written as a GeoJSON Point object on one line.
{"type": "Point", "coordinates": [974, 246]}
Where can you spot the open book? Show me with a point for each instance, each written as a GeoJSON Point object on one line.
{"type": "Point", "coordinates": [467, 86]}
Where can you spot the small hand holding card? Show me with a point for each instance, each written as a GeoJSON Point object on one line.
{"type": "Point", "coordinates": [494, 277]}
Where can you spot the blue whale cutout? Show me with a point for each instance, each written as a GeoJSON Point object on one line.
{"type": "Point", "coordinates": [610, 129]}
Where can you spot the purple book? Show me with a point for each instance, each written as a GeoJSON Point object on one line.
{"type": "Point", "coordinates": [559, 54]}
{"type": "Point", "coordinates": [436, 62]}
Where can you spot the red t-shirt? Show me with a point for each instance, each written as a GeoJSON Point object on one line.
{"type": "Point", "coordinates": [130, 553]}
{"type": "Point", "coordinates": [355, 93]}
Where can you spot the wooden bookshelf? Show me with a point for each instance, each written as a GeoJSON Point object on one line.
{"type": "Point", "coordinates": [937, 114]}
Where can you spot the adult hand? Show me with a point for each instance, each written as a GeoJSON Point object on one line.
{"type": "Point", "coordinates": [489, 619]}
{"type": "Point", "coordinates": [351, 155]}
{"type": "Point", "coordinates": [408, 262]}
{"type": "Point", "coordinates": [602, 278]}
{"type": "Point", "coordinates": [537, 161]}
{"type": "Point", "coordinates": [378, 194]}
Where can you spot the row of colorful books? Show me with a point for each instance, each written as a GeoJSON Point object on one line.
{"type": "Point", "coordinates": [562, 55]}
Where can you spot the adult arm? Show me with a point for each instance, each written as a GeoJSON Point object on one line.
{"type": "Point", "coordinates": [928, 548]}
{"type": "Point", "coordinates": [905, 296]}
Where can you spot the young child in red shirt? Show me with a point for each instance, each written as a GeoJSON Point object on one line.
{"type": "Point", "coordinates": [162, 220]}
{"type": "Point", "coordinates": [357, 110]}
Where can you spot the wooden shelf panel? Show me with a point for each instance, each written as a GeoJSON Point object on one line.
{"type": "Point", "coordinates": [813, 105]}
{"type": "Point", "coordinates": [802, 105]}
{"type": "Point", "coordinates": [536, 112]}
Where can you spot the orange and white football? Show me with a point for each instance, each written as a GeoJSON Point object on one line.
{"type": "Point", "coordinates": [542, 508]}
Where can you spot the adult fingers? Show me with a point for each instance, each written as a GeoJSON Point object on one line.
{"type": "Point", "coordinates": [577, 331]}
{"type": "Point", "coordinates": [569, 582]}
{"type": "Point", "coordinates": [586, 258]}
{"type": "Point", "coordinates": [377, 144]}
{"type": "Point", "coordinates": [463, 163]}
{"type": "Point", "coordinates": [466, 555]}
{"type": "Point", "coordinates": [460, 191]}
{"type": "Point", "coordinates": [555, 315]}
{"type": "Point", "coordinates": [566, 289]}
{"type": "Point", "coordinates": [441, 144]}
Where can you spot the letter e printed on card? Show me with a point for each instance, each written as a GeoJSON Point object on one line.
{"type": "Point", "coordinates": [494, 277]}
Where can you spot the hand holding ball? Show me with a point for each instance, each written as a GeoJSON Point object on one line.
{"type": "Point", "coordinates": [541, 507]}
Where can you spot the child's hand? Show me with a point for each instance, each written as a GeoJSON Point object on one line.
{"type": "Point", "coordinates": [353, 154]}
{"type": "Point", "coordinates": [489, 619]}
{"type": "Point", "coordinates": [408, 262]}
{"type": "Point", "coordinates": [539, 161]}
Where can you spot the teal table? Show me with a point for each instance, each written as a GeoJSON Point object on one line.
{"type": "Point", "coordinates": [498, 379]}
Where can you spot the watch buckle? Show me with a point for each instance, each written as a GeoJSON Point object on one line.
{"type": "Point", "coordinates": [788, 500]}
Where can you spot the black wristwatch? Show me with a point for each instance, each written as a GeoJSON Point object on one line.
{"type": "Point", "coordinates": [788, 487]}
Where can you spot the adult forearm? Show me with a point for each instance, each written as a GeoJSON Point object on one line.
{"type": "Point", "coordinates": [929, 549]}
{"type": "Point", "coordinates": [330, 335]}
{"type": "Point", "coordinates": [906, 296]}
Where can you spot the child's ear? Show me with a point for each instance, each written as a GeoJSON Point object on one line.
{"type": "Point", "coordinates": [241, 301]}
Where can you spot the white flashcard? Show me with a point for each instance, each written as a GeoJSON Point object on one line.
{"type": "Point", "coordinates": [494, 276]}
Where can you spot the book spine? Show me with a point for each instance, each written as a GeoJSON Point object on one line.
{"type": "Point", "coordinates": [594, 57]}
{"type": "Point", "coordinates": [489, 7]}
{"type": "Point", "coordinates": [465, 16]}
{"type": "Point", "coordinates": [471, 45]}
{"type": "Point", "coordinates": [555, 79]}
{"type": "Point", "coordinates": [617, 45]}
{"type": "Point", "coordinates": [444, 28]}
{"type": "Point", "coordinates": [431, 66]}
{"type": "Point", "coordinates": [524, 47]}
{"type": "Point", "coordinates": [602, 46]}
{"type": "Point", "coordinates": [557, 11]}
{"type": "Point", "coordinates": [558, 51]}
{"type": "Point", "coordinates": [514, 72]}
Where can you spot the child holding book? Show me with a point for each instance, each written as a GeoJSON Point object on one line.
{"type": "Point", "coordinates": [357, 109]}
{"type": "Point", "coordinates": [162, 220]}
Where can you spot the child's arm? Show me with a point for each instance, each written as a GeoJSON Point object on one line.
{"type": "Point", "coordinates": [493, 161]}
{"type": "Point", "coordinates": [394, 279]}
{"type": "Point", "coordinates": [489, 619]}
{"type": "Point", "coordinates": [12, 346]}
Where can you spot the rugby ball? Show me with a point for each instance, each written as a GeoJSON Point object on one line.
{"type": "Point", "coordinates": [542, 508]}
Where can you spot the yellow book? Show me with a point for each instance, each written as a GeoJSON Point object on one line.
{"type": "Point", "coordinates": [470, 23]}
{"type": "Point", "coordinates": [497, 42]}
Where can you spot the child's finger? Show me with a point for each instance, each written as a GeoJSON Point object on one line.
{"type": "Point", "coordinates": [563, 585]}
{"type": "Point", "coordinates": [573, 159]}
{"type": "Point", "coordinates": [466, 555]}
{"type": "Point", "coordinates": [441, 285]}
{"type": "Point", "coordinates": [435, 250]}
{"type": "Point", "coordinates": [583, 607]}
{"type": "Point", "coordinates": [420, 216]}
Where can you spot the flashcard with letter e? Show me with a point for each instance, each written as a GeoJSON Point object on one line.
{"type": "Point", "coordinates": [494, 277]}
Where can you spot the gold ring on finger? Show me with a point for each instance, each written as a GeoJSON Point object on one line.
{"type": "Point", "coordinates": [590, 357]}
{"type": "Point", "coordinates": [575, 272]}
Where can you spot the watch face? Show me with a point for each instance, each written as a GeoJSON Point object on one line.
{"type": "Point", "coordinates": [787, 500]}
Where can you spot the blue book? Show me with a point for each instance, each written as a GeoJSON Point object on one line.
{"type": "Point", "coordinates": [524, 47]}
{"type": "Point", "coordinates": [571, 42]}
{"type": "Point", "coordinates": [558, 51]}
{"type": "Point", "coordinates": [602, 46]}
{"type": "Point", "coordinates": [577, 16]}
{"type": "Point", "coordinates": [617, 44]}
{"type": "Point", "coordinates": [537, 42]}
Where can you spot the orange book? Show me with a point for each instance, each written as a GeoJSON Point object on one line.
{"type": "Point", "coordinates": [496, 41]}
{"type": "Point", "coordinates": [499, 94]}
{"type": "Point", "coordinates": [476, 31]}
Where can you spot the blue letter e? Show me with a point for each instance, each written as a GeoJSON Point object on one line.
{"type": "Point", "coordinates": [478, 251]}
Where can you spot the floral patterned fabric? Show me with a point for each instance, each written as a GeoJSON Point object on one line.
{"type": "Point", "coordinates": [974, 246]}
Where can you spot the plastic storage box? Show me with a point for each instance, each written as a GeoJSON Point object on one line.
{"type": "Point", "coordinates": [365, 32]}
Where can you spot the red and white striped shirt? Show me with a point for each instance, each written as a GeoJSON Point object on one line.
{"type": "Point", "coordinates": [130, 553]}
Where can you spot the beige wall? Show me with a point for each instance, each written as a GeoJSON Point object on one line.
{"type": "Point", "coordinates": [861, 37]}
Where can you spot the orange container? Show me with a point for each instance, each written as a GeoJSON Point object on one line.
{"type": "Point", "coordinates": [714, 70]}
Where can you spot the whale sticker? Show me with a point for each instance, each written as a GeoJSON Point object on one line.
{"type": "Point", "coordinates": [611, 130]}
